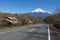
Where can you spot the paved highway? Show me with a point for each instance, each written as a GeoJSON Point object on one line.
{"type": "Point", "coordinates": [37, 32]}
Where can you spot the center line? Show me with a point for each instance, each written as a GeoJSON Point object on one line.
{"type": "Point", "coordinates": [32, 30]}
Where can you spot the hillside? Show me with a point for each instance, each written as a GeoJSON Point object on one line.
{"type": "Point", "coordinates": [24, 19]}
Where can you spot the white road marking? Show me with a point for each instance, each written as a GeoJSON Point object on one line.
{"type": "Point", "coordinates": [48, 33]}
{"type": "Point", "coordinates": [9, 31]}
{"type": "Point", "coordinates": [32, 29]}
{"type": "Point", "coordinates": [15, 30]}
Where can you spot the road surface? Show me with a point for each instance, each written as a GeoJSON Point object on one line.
{"type": "Point", "coordinates": [37, 32]}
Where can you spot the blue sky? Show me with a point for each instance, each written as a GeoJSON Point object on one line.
{"type": "Point", "coordinates": [20, 6]}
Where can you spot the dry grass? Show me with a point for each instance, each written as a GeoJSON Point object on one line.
{"type": "Point", "coordinates": [8, 28]}
{"type": "Point", "coordinates": [13, 27]}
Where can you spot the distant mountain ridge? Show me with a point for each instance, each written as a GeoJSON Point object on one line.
{"type": "Point", "coordinates": [40, 13]}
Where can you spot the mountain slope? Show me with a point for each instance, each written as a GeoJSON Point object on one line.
{"type": "Point", "coordinates": [40, 13]}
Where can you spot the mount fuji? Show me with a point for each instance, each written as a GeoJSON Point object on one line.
{"type": "Point", "coordinates": [40, 13]}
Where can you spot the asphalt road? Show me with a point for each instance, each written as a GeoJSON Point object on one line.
{"type": "Point", "coordinates": [37, 32]}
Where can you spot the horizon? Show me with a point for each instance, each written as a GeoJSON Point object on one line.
{"type": "Point", "coordinates": [24, 6]}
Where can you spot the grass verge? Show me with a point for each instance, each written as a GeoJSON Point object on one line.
{"type": "Point", "coordinates": [57, 31]}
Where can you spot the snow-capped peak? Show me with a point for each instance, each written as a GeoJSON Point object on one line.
{"type": "Point", "coordinates": [38, 10]}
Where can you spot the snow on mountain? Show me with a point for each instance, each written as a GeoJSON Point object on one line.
{"type": "Point", "coordinates": [50, 12]}
{"type": "Point", "coordinates": [38, 10]}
